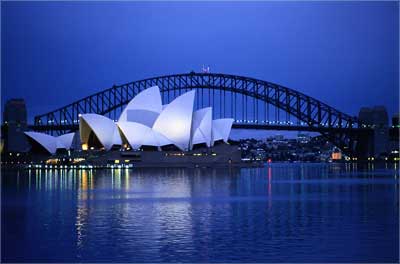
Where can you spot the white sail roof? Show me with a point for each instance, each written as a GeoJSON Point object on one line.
{"type": "Point", "coordinates": [221, 128]}
{"type": "Point", "coordinates": [155, 139]}
{"type": "Point", "coordinates": [116, 141]}
{"type": "Point", "coordinates": [46, 141]}
{"type": "Point", "coordinates": [50, 143]}
{"type": "Point", "coordinates": [65, 141]}
{"type": "Point", "coordinates": [144, 117]}
{"type": "Point", "coordinates": [104, 128]}
{"type": "Point", "coordinates": [149, 100]}
{"type": "Point", "coordinates": [138, 135]}
{"type": "Point", "coordinates": [201, 126]}
{"type": "Point", "coordinates": [133, 132]}
{"type": "Point", "coordinates": [175, 121]}
{"type": "Point", "coordinates": [146, 121]}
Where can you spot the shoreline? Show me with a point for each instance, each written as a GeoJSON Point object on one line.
{"type": "Point", "coordinates": [171, 165]}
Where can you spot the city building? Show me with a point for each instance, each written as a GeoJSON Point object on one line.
{"type": "Point", "coordinates": [377, 119]}
{"type": "Point", "coordinates": [394, 137]}
{"type": "Point", "coordinates": [395, 121]}
{"type": "Point", "coordinates": [14, 125]}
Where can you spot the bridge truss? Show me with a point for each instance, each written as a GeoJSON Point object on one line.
{"type": "Point", "coordinates": [251, 102]}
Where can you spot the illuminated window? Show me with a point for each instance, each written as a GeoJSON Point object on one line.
{"type": "Point", "coordinates": [116, 161]}
{"type": "Point", "coordinates": [336, 155]}
{"type": "Point", "coordinates": [84, 147]}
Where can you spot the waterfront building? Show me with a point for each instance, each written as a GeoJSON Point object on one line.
{"type": "Point", "coordinates": [394, 136]}
{"type": "Point", "coordinates": [377, 119]}
{"type": "Point", "coordinates": [14, 125]}
{"type": "Point", "coordinates": [146, 123]}
{"type": "Point", "coordinates": [41, 142]}
{"type": "Point", "coordinates": [395, 121]}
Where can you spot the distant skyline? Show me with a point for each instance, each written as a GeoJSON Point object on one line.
{"type": "Point", "coordinates": [342, 53]}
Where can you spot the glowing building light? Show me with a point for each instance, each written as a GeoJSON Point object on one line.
{"type": "Point", "coordinates": [336, 156]}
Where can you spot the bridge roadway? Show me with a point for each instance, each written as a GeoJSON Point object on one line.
{"type": "Point", "coordinates": [256, 126]}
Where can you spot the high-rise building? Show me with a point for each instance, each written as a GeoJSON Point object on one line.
{"type": "Point", "coordinates": [377, 118]}
{"type": "Point", "coordinates": [395, 120]}
{"type": "Point", "coordinates": [394, 135]}
{"type": "Point", "coordinates": [366, 117]}
{"type": "Point", "coordinates": [14, 125]}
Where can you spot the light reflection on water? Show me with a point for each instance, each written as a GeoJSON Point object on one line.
{"type": "Point", "coordinates": [283, 212]}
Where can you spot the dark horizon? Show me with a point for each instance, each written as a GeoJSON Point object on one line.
{"type": "Point", "coordinates": [56, 53]}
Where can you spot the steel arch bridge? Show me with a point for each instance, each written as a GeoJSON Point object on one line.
{"type": "Point", "coordinates": [251, 102]}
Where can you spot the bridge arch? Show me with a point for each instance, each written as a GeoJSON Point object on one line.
{"type": "Point", "coordinates": [335, 125]}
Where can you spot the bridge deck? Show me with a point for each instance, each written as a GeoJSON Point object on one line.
{"type": "Point", "coordinates": [75, 127]}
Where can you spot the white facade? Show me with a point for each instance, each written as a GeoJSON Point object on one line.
{"type": "Point", "coordinates": [175, 121]}
{"type": "Point", "coordinates": [50, 143]}
{"type": "Point", "coordinates": [145, 121]}
{"type": "Point", "coordinates": [65, 141]}
{"type": "Point", "coordinates": [144, 107]}
{"type": "Point", "coordinates": [201, 127]}
{"type": "Point", "coordinates": [221, 128]}
{"type": "Point", "coordinates": [104, 128]}
{"type": "Point", "coordinates": [139, 135]}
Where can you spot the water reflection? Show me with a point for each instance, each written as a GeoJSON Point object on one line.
{"type": "Point", "coordinates": [283, 212]}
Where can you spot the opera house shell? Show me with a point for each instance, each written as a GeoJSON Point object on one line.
{"type": "Point", "coordinates": [145, 121]}
{"type": "Point", "coordinates": [49, 143]}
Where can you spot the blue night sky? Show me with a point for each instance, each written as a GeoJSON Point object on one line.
{"type": "Point", "coordinates": [342, 53]}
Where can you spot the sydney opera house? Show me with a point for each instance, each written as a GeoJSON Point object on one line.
{"type": "Point", "coordinates": [49, 143]}
{"type": "Point", "coordinates": [145, 123]}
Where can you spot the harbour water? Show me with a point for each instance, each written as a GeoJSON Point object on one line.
{"type": "Point", "coordinates": [280, 213]}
